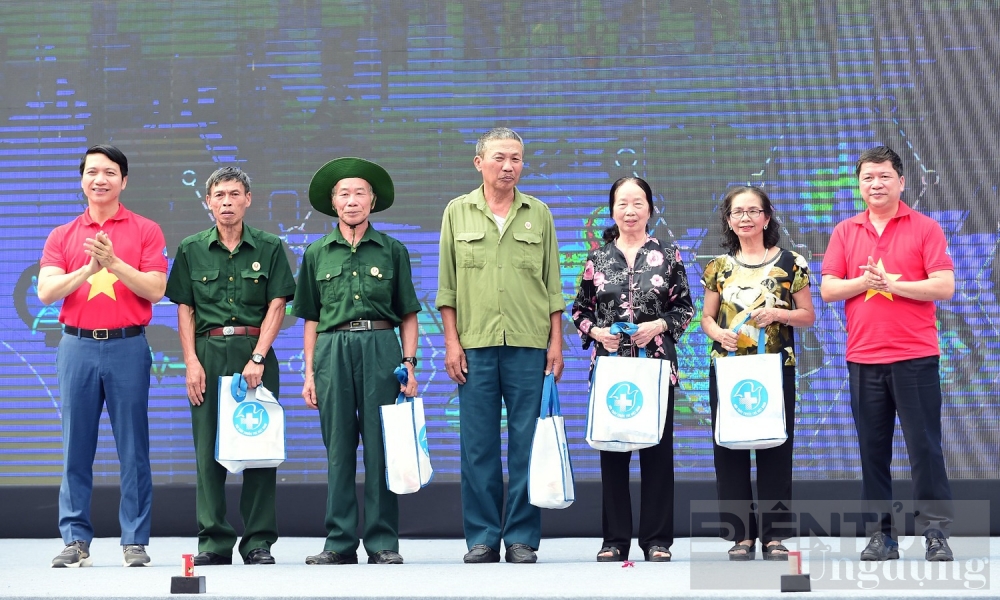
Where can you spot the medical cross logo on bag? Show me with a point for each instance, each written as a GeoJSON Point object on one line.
{"type": "Point", "coordinates": [624, 400]}
{"type": "Point", "coordinates": [250, 419]}
{"type": "Point", "coordinates": [749, 398]}
{"type": "Point", "coordinates": [423, 440]}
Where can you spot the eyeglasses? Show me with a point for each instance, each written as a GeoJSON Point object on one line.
{"type": "Point", "coordinates": [753, 213]}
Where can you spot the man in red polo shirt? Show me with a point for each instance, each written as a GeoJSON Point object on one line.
{"type": "Point", "coordinates": [890, 264]}
{"type": "Point", "coordinates": [108, 266]}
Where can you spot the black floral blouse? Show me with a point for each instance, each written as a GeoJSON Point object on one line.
{"type": "Point", "coordinates": [741, 286]}
{"type": "Point", "coordinates": [656, 288]}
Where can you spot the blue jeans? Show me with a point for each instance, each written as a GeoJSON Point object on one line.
{"type": "Point", "coordinates": [514, 376]}
{"type": "Point", "coordinates": [92, 373]}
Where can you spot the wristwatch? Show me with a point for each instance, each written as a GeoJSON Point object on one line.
{"type": "Point", "coordinates": [411, 359]}
{"type": "Point", "coordinates": [257, 359]}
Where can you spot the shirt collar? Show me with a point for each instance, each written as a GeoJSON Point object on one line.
{"type": "Point", "coordinates": [864, 217]}
{"type": "Point", "coordinates": [478, 198]}
{"type": "Point", "coordinates": [120, 214]}
{"type": "Point", "coordinates": [246, 237]}
{"type": "Point", "coordinates": [370, 236]}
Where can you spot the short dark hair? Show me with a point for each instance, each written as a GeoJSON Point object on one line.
{"type": "Point", "coordinates": [877, 155]}
{"type": "Point", "coordinates": [611, 233]}
{"type": "Point", "coordinates": [114, 154]}
{"type": "Point", "coordinates": [731, 241]}
{"type": "Point", "coordinates": [227, 173]}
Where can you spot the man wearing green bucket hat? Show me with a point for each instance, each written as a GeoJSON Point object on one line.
{"type": "Point", "coordinates": [354, 289]}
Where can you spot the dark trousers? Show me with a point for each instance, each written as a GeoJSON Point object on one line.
{"type": "Point", "coordinates": [912, 390]}
{"type": "Point", "coordinates": [353, 371]}
{"type": "Point", "coordinates": [656, 492]}
{"type": "Point", "coordinates": [765, 519]}
{"type": "Point", "coordinates": [220, 356]}
{"type": "Point", "coordinates": [513, 376]}
{"type": "Point", "coordinates": [92, 374]}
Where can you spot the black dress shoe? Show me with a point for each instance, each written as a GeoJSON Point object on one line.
{"type": "Point", "coordinates": [204, 559]}
{"type": "Point", "coordinates": [481, 553]}
{"type": "Point", "coordinates": [520, 553]}
{"type": "Point", "coordinates": [258, 556]}
{"type": "Point", "coordinates": [327, 557]}
{"type": "Point", "coordinates": [385, 557]}
{"type": "Point", "coordinates": [880, 547]}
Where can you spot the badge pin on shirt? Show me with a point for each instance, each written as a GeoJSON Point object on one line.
{"type": "Point", "coordinates": [527, 224]}
{"type": "Point", "coordinates": [255, 266]}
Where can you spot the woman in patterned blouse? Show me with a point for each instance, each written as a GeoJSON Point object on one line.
{"type": "Point", "coordinates": [634, 277]}
{"type": "Point", "coordinates": [754, 266]}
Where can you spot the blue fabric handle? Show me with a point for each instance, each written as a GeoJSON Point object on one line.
{"type": "Point", "coordinates": [550, 398]}
{"type": "Point", "coordinates": [239, 387]}
{"type": "Point", "coordinates": [404, 377]}
{"type": "Point", "coordinates": [761, 336]}
{"type": "Point", "coordinates": [628, 329]}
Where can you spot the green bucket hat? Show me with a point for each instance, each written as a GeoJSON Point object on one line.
{"type": "Point", "coordinates": [329, 174]}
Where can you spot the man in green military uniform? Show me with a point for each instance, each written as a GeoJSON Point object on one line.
{"type": "Point", "coordinates": [354, 288]}
{"type": "Point", "coordinates": [230, 284]}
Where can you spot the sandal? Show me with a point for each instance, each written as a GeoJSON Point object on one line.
{"type": "Point", "coordinates": [615, 555]}
{"type": "Point", "coordinates": [651, 556]}
{"type": "Point", "coordinates": [774, 552]}
{"type": "Point", "coordinates": [741, 551]}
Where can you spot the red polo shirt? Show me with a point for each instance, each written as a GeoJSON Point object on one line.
{"type": "Point", "coordinates": [881, 330]}
{"type": "Point", "coordinates": [103, 302]}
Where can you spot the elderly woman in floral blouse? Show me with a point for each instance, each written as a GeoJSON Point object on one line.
{"type": "Point", "coordinates": [634, 277]}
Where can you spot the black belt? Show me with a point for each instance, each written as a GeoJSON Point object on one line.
{"type": "Point", "coordinates": [363, 325]}
{"type": "Point", "coordinates": [105, 334]}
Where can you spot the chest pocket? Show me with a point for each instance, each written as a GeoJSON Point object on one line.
{"type": "Point", "coordinates": [206, 286]}
{"type": "Point", "coordinates": [377, 284]}
{"type": "Point", "coordinates": [528, 253]}
{"type": "Point", "coordinates": [254, 287]}
{"type": "Point", "coordinates": [331, 283]}
{"type": "Point", "coordinates": [470, 250]}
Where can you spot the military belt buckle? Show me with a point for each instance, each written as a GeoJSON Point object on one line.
{"type": "Point", "coordinates": [100, 334]}
{"type": "Point", "coordinates": [228, 330]}
{"type": "Point", "coordinates": [360, 325]}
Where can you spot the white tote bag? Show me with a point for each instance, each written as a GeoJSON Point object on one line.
{"type": "Point", "coordinates": [626, 412]}
{"type": "Point", "coordinates": [550, 472]}
{"type": "Point", "coordinates": [751, 411]}
{"type": "Point", "coordinates": [404, 440]}
{"type": "Point", "coordinates": [251, 429]}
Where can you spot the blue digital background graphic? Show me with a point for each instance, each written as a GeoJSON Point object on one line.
{"type": "Point", "coordinates": [694, 96]}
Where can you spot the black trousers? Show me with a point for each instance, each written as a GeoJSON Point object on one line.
{"type": "Point", "coordinates": [742, 518]}
{"type": "Point", "coordinates": [912, 390]}
{"type": "Point", "coordinates": [656, 503]}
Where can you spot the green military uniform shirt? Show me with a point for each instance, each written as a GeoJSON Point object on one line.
{"type": "Point", "coordinates": [503, 285]}
{"type": "Point", "coordinates": [337, 285]}
{"type": "Point", "coordinates": [229, 288]}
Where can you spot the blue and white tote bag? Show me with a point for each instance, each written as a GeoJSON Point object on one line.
{"type": "Point", "coordinates": [251, 429]}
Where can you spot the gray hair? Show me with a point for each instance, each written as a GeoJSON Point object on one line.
{"type": "Point", "coordinates": [497, 133]}
{"type": "Point", "coordinates": [227, 174]}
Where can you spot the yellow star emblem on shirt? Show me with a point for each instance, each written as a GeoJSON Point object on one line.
{"type": "Point", "coordinates": [102, 282]}
{"type": "Point", "coordinates": [890, 276]}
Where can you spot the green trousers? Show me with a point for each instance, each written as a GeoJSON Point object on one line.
{"type": "Point", "coordinates": [353, 372]}
{"type": "Point", "coordinates": [225, 356]}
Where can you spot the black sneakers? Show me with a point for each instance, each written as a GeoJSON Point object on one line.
{"type": "Point", "coordinates": [880, 547]}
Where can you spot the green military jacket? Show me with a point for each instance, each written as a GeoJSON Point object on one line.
{"type": "Point", "coordinates": [337, 285]}
{"type": "Point", "coordinates": [229, 288]}
{"type": "Point", "coordinates": [503, 285]}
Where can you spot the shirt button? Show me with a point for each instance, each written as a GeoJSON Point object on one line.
{"type": "Point", "coordinates": [230, 300]}
{"type": "Point", "coordinates": [355, 273]}
{"type": "Point", "coordinates": [357, 297]}
{"type": "Point", "coordinates": [230, 279]}
{"type": "Point", "coordinates": [204, 278]}
{"type": "Point", "coordinates": [327, 275]}
{"type": "Point", "coordinates": [380, 276]}
{"type": "Point", "coordinates": [255, 281]}
{"type": "Point", "coordinates": [230, 256]}
{"type": "Point", "coordinates": [233, 319]}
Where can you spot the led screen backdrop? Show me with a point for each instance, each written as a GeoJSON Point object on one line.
{"type": "Point", "coordinates": [692, 95]}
